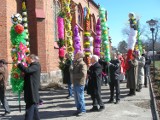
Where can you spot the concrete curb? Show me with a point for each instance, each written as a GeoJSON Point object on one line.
{"type": "Point", "coordinates": [153, 100]}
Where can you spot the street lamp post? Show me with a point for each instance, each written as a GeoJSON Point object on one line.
{"type": "Point", "coordinates": [152, 23]}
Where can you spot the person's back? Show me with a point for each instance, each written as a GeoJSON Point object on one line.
{"type": "Point", "coordinates": [115, 69]}
{"type": "Point", "coordinates": [32, 83]}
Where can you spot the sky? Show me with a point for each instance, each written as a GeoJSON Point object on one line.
{"type": "Point", "coordinates": [118, 14]}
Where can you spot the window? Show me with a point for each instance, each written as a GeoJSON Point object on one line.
{"type": "Point", "coordinates": [56, 10]}
{"type": "Point", "coordinates": [80, 15]}
{"type": "Point", "coordinates": [93, 23]}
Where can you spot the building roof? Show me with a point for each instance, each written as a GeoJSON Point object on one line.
{"type": "Point", "coordinates": [95, 4]}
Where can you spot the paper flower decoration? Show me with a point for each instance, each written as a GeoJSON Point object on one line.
{"type": "Point", "coordinates": [25, 23]}
{"type": "Point", "coordinates": [18, 52]}
{"type": "Point", "coordinates": [16, 19]}
{"type": "Point", "coordinates": [132, 38]}
{"type": "Point", "coordinates": [77, 44]}
{"type": "Point", "coordinates": [97, 40]}
{"type": "Point", "coordinates": [87, 38]}
{"type": "Point", "coordinates": [104, 35]}
{"type": "Point", "coordinates": [19, 28]}
{"type": "Point", "coordinates": [61, 52]}
{"type": "Point", "coordinates": [68, 31]}
{"type": "Point", "coordinates": [60, 22]}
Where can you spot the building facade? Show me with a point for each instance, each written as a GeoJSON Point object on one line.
{"type": "Point", "coordinates": [42, 15]}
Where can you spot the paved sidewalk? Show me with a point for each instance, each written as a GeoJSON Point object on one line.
{"type": "Point", "coordinates": [57, 107]}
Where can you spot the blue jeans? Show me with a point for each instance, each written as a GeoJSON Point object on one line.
{"type": "Point", "coordinates": [70, 89]}
{"type": "Point", "coordinates": [79, 98]}
{"type": "Point", "coordinates": [32, 112]}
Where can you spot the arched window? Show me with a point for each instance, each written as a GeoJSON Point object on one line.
{"type": "Point", "coordinates": [80, 15]}
{"type": "Point", "coordinates": [93, 22]}
{"type": "Point", "coordinates": [56, 10]}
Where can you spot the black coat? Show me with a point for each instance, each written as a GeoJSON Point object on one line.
{"type": "Point", "coordinates": [147, 64]}
{"type": "Point", "coordinates": [31, 82]}
{"type": "Point", "coordinates": [95, 78]}
{"type": "Point", "coordinates": [115, 70]}
{"type": "Point", "coordinates": [66, 72]}
{"type": "Point", "coordinates": [103, 64]}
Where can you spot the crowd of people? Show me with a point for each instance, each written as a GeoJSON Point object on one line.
{"type": "Point", "coordinates": [82, 78]}
{"type": "Point", "coordinates": [91, 79]}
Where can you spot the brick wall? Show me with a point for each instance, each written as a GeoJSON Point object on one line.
{"type": "Point", "coordinates": [40, 29]}
{"type": "Point", "coordinates": [7, 8]}
{"type": "Point", "coordinates": [3, 29]}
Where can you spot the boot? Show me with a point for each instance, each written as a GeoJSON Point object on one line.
{"type": "Point", "coordinates": [94, 109]}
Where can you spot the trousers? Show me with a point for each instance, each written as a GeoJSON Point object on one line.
{"type": "Point", "coordinates": [114, 84]}
{"type": "Point", "coordinates": [32, 112]}
{"type": "Point", "coordinates": [4, 100]}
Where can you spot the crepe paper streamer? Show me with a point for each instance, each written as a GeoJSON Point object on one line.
{"type": "Point", "coordinates": [97, 40]}
{"type": "Point", "coordinates": [140, 48]}
{"type": "Point", "coordinates": [68, 29]}
{"type": "Point", "coordinates": [77, 44]}
{"type": "Point", "coordinates": [18, 53]}
{"type": "Point", "coordinates": [25, 24]}
{"type": "Point", "coordinates": [132, 38]}
{"type": "Point", "coordinates": [87, 37]}
{"type": "Point", "coordinates": [17, 38]}
{"type": "Point", "coordinates": [61, 52]}
{"type": "Point", "coordinates": [104, 35]}
{"type": "Point", "coordinates": [60, 22]}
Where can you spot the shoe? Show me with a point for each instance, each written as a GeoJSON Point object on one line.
{"type": "Point", "coordinates": [40, 102]}
{"type": "Point", "coordinates": [69, 97]}
{"type": "Point", "coordinates": [76, 113]}
{"type": "Point", "coordinates": [117, 102]}
{"type": "Point", "coordinates": [94, 109]}
{"type": "Point", "coordinates": [145, 86]}
{"type": "Point", "coordinates": [81, 114]}
{"type": "Point", "coordinates": [131, 94]}
{"type": "Point", "coordinates": [110, 101]}
{"type": "Point", "coordinates": [6, 113]}
{"type": "Point", "coordinates": [101, 108]}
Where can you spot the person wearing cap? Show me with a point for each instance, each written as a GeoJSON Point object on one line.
{"type": "Point", "coordinates": [3, 81]}
{"type": "Point", "coordinates": [79, 72]}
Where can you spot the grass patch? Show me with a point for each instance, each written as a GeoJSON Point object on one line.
{"type": "Point", "coordinates": [157, 64]}
{"type": "Point", "coordinates": [157, 70]}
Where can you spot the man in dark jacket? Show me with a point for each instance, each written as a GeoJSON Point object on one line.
{"type": "Point", "coordinates": [31, 87]}
{"type": "Point", "coordinates": [94, 84]}
{"type": "Point", "coordinates": [146, 68]}
{"type": "Point", "coordinates": [66, 75]}
{"type": "Point", "coordinates": [3, 80]}
{"type": "Point", "coordinates": [114, 71]}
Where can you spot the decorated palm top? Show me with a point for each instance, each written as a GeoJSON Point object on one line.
{"type": "Point", "coordinates": [18, 52]}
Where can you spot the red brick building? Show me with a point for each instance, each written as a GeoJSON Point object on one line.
{"type": "Point", "coordinates": [42, 24]}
